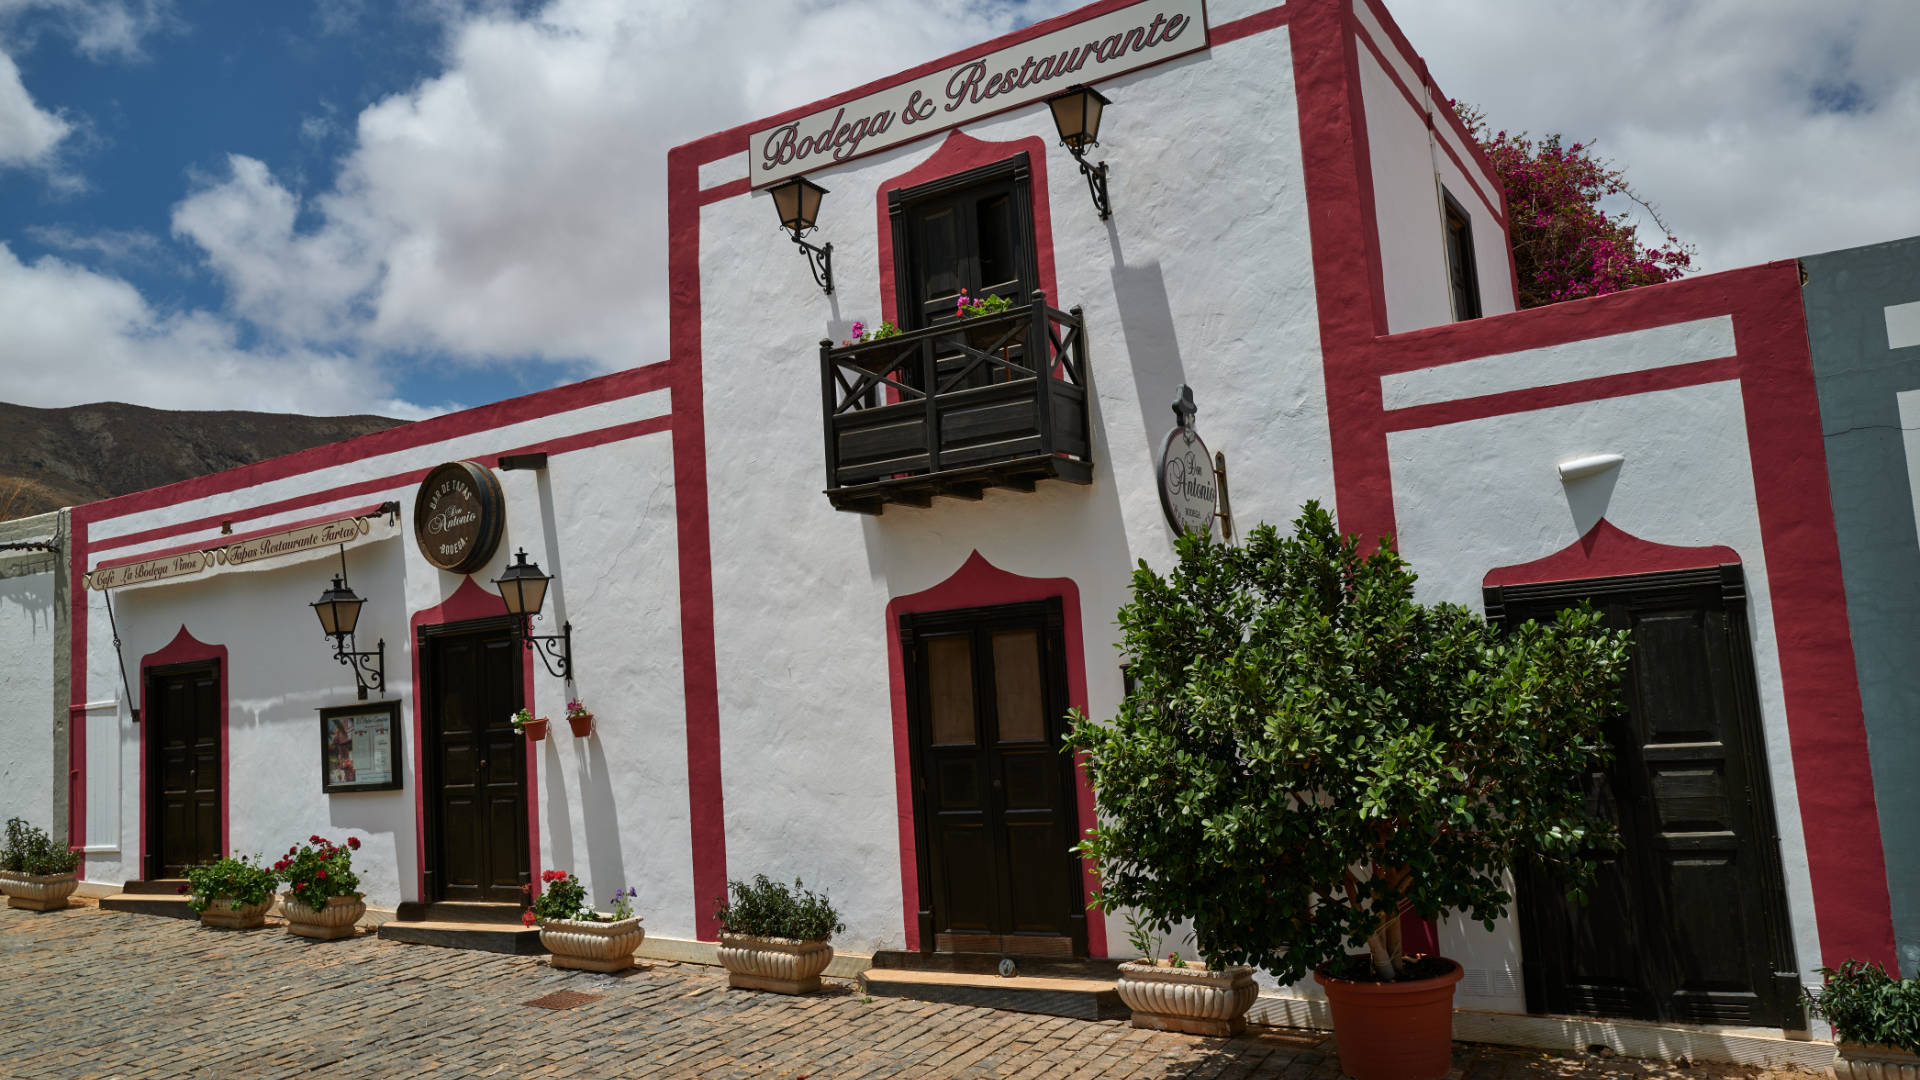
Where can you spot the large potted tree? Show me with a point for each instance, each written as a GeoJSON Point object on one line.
{"type": "Point", "coordinates": [1306, 754]}
{"type": "Point", "coordinates": [36, 873]}
{"type": "Point", "coordinates": [776, 938]}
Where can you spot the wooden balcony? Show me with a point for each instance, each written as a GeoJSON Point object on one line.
{"type": "Point", "coordinates": [991, 401]}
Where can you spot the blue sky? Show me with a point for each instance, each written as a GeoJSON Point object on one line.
{"type": "Point", "coordinates": [407, 206]}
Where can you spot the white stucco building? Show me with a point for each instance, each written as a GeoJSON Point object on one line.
{"type": "Point", "coordinates": [862, 686]}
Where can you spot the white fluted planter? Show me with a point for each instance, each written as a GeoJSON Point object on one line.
{"type": "Point", "coordinates": [781, 965]}
{"type": "Point", "coordinates": [1864, 1061]}
{"type": "Point", "coordinates": [1195, 1000]}
{"type": "Point", "coordinates": [336, 919]}
{"type": "Point", "coordinates": [592, 946]}
{"type": "Point", "coordinates": [38, 892]}
{"type": "Point", "coordinates": [220, 913]}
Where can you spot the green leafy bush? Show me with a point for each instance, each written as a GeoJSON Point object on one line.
{"type": "Point", "coordinates": [769, 909]}
{"type": "Point", "coordinates": [1304, 748]}
{"type": "Point", "coordinates": [1866, 1005]}
{"type": "Point", "coordinates": [242, 881]}
{"type": "Point", "coordinates": [319, 870]}
{"type": "Point", "coordinates": [30, 850]}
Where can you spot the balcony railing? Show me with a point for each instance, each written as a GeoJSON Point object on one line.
{"type": "Point", "coordinates": [991, 401]}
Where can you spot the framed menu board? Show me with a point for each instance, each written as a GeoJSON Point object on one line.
{"type": "Point", "coordinates": [360, 747]}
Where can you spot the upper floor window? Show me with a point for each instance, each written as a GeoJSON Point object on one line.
{"type": "Point", "coordinates": [1462, 277]}
{"type": "Point", "coordinates": [972, 231]}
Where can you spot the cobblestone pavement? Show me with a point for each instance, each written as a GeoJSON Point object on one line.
{"type": "Point", "coordinates": [86, 993]}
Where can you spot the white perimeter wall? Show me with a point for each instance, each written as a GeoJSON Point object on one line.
{"type": "Point", "coordinates": [26, 687]}
{"type": "Point", "coordinates": [1203, 276]}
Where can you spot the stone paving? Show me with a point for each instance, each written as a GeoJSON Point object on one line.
{"type": "Point", "coordinates": [86, 993]}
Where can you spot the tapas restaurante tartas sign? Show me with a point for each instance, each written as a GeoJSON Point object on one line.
{"type": "Point", "coordinates": [1117, 42]}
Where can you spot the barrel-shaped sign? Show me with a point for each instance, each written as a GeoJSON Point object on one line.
{"type": "Point", "coordinates": [458, 516]}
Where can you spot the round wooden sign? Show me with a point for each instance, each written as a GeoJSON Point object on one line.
{"type": "Point", "coordinates": [1188, 493]}
{"type": "Point", "coordinates": [458, 516]}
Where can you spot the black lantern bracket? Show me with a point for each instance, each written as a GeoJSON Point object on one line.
{"type": "Point", "coordinates": [554, 650]}
{"type": "Point", "coordinates": [1096, 184]}
{"type": "Point", "coordinates": [797, 201]}
{"type": "Point", "coordinates": [369, 667]}
{"type": "Point", "coordinates": [820, 261]}
{"type": "Point", "coordinates": [339, 611]}
{"type": "Point", "coordinates": [523, 588]}
{"type": "Point", "coordinates": [1077, 112]}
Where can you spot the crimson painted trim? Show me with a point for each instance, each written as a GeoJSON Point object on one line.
{"type": "Point", "coordinates": [1407, 52]}
{"type": "Point", "coordinates": [185, 649]}
{"type": "Point", "coordinates": [469, 601]}
{"type": "Point", "coordinates": [1477, 183]}
{"type": "Point", "coordinates": [957, 153]}
{"type": "Point", "coordinates": [1598, 388]}
{"type": "Point", "coordinates": [1609, 551]}
{"type": "Point", "coordinates": [979, 583]}
{"type": "Point", "coordinates": [218, 542]}
{"type": "Point", "coordinates": [79, 610]}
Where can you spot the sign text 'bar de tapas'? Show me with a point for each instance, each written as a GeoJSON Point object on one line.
{"type": "Point", "coordinates": [1102, 47]}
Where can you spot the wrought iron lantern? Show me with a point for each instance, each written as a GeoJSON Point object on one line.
{"type": "Point", "coordinates": [524, 589]}
{"type": "Point", "coordinates": [339, 611]}
{"type": "Point", "coordinates": [1076, 113]}
{"type": "Point", "coordinates": [798, 203]}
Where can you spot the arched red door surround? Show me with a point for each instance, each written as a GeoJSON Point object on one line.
{"type": "Point", "coordinates": [979, 583]}
{"type": "Point", "coordinates": [469, 601]}
{"type": "Point", "coordinates": [1609, 551]}
{"type": "Point", "coordinates": [186, 649]}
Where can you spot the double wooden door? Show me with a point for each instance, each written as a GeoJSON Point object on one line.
{"type": "Point", "coordinates": [476, 766]}
{"type": "Point", "coordinates": [993, 793]}
{"type": "Point", "coordinates": [183, 765]}
{"type": "Point", "coordinates": [1687, 921]}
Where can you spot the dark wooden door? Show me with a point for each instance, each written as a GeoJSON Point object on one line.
{"type": "Point", "coordinates": [1688, 920]}
{"type": "Point", "coordinates": [183, 761]}
{"type": "Point", "coordinates": [477, 767]}
{"type": "Point", "coordinates": [993, 793]}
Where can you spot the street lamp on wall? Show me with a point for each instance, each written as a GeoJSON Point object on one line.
{"type": "Point", "coordinates": [798, 203]}
{"type": "Point", "coordinates": [1076, 113]}
{"type": "Point", "coordinates": [339, 612]}
{"type": "Point", "coordinates": [524, 588]}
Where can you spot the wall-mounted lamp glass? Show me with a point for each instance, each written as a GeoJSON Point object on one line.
{"type": "Point", "coordinates": [524, 588]}
{"type": "Point", "coordinates": [798, 203]}
{"type": "Point", "coordinates": [339, 612]}
{"type": "Point", "coordinates": [1076, 112]}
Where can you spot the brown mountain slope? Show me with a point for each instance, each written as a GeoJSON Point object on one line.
{"type": "Point", "coordinates": [51, 458]}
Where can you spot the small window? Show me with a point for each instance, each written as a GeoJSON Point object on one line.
{"type": "Point", "coordinates": [973, 231]}
{"type": "Point", "coordinates": [1462, 278]}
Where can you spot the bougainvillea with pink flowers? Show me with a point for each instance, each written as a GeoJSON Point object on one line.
{"type": "Point", "coordinates": [1564, 245]}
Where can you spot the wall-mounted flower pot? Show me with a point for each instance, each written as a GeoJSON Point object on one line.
{"type": "Point", "coordinates": [592, 946]}
{"type": "Point", "coordinates": [332, 920]}
{"type": "Point", "coordinates": [1864, 1061]}
{"type": "Point", "coordinates": [1393, 1030]}
{"type": "Point", "coordinates": [1193, 999]}
{"type": "Point", "coordinates": [38, 892]}
{"type": "Point", "coordinates": [221, 913]}
{"type": "Point", "coordinates": [535, 730]}
{"type": "Point", "coordinates": [781, 965]}
{"type": "Point", "coordinates": [582, 724]}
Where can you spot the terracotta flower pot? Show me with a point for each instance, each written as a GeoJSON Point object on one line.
{"type": "Point", "coordinates": [1393, 1031]}
{"type": "Point", "coordinates": [782, 965]}
{"type": "Point", "coordinates": [592, 946]}
{"type": "Point", "coordinates": [1865, 1061]}
{"type": "Point", "coordinates": [38, 892]}
{"type": "Point", "coordinates": [220, 913]}
{"type": "Point", "coordinates": [1193, 999]}
{"type": "Point", "coordinates": [332, 920]}
{"type": "Point", "coordinates": [582, 725]}
{"type": "Point", "coordinates": [535, 730]}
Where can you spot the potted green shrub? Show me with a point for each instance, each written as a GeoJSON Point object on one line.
{"type": "Point", "coordinates": [233, 894]}
{"type": "Point", "coordinates": [36, 873]}
{"type": "Point", "coordinates": [1876, 1021]}
{"type": "Point", "coordinates": [322, 900]}
{"type": "Point", "coordinates": [578, 936]}
{"type": "Point", "coordinates": [776, 938]}
{"type": "Point", "coordinates": [1305, 752]}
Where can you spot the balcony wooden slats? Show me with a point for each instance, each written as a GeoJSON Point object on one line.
{"type": "Point", "coordinates": [1007, 408]}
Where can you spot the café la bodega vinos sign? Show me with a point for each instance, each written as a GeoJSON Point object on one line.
{"type": "Point", "coordinates": [458, 516]}
{"type": "Point", "coordinates": [1189, 490]}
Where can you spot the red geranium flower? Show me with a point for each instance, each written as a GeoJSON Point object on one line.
{"type": "Point", "coordinates": [353, 842]}
{"type": "Point", "coordinates": [181, 889]}
{"type": "Point", "coordinates": [527, 918]}
{"type": "Point", "coordinates": [322, 874]}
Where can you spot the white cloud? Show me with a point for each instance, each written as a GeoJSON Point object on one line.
{"type": "Point", "coordinates": [29, 134]}
{"type": "Point", "coordinates": [100, 29]}
{"type": "Point", "coordinates": [74, 335]}
{"type": "Point", "coordinates": [1763, 129]}
{"type": "Point", "coordinates": [514, 205]}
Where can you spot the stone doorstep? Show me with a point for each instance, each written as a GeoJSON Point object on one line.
{"type": "Point", "coordinates": [1079, 999]}
{"type": "Point", "coordinates": [480, 936]}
